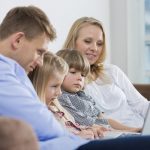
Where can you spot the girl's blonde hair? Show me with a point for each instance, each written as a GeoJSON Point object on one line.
{"type": "Point", "coordinates": [52, 64]}
{"type": "Point", "coordinates": [97, 69]}
{"type": "Point", "coordinates": [75, 60]}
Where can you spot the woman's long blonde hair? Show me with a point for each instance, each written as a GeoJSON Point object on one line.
{"type": "Point", "coordinates": [97, 69]}
{"type": "Point", "coordinates": [40, 77]}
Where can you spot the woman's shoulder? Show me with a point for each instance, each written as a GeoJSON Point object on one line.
{"type": "Point", "coordinates": [111, 68]}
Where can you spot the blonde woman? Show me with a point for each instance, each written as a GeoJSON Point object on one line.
{"type": "Point", "coordinates": [112, 91]}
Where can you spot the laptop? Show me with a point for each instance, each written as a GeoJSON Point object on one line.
{"type": "Point", "coordinates": [146, 128]}
{"type": "Point", "coordinates": [118, 133]}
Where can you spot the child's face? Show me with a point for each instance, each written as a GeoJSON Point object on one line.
{"type": "Point", "coordinates": [53, 89]}
{"type": "Point", "coordinates": [74, 81]}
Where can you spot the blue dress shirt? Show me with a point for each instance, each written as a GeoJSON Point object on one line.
{"type": "Point", "coordinates": [19, 100]}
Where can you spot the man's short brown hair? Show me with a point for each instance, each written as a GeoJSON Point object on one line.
{"type": "Point", "coordinates": [30, 20]}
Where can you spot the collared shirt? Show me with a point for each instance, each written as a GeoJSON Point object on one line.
{"type": "Point", "coordinates": [19, 100]}
{"type": "Point", "coordinates": [82, 107]}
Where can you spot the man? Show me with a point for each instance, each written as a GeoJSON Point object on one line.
{"type": "Point", "coordinates": [24, 36]}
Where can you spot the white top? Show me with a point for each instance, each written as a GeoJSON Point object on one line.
{"type": "Point", "coordinates": [119, 99]}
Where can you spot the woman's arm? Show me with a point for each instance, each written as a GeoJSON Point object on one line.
{"type": "Point", "coordinates": [134, 98]}
{"type": "Point", "coordinates": [118, 126]}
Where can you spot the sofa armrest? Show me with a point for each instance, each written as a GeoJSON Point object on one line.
{"type": "Point", "coordinates": [144, 89]}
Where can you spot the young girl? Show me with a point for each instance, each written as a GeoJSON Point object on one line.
{"type": "Point", "coordinates": [47, 81]}
{"type": "Point", "coordinates": [73, 98]}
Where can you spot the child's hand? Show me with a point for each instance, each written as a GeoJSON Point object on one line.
{"type": "Point", "coordinates": [87, 134]}
{"type": "Point", "coordinates": [99, 130]}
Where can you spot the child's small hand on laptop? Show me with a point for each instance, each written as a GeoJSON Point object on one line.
{"type": "Point", "coordinates": [99, 130]}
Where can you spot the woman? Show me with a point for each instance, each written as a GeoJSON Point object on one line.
{"type": "Point", "coordinates": [107, 84]}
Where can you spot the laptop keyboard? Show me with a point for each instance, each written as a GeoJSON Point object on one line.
{"type": "Point", "coordinates": [117, 134]}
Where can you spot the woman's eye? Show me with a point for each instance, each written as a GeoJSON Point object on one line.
{"type": "Point", "coordinates": [100, 44]}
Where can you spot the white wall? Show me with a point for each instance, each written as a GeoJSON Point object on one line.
{"type": "Point", "coordinates": [62, 13]}
{"type": "Point", "coordinates": [127, 38]}
{"type": "Point", "coordinates": [118, 31]}
{"type": "Point", "coordinates": [136, 41]}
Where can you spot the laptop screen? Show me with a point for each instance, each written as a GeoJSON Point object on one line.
{"type": "Point", "coordinates": [146, 126]}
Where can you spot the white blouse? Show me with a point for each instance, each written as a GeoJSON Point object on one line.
{"type": "Point", "coordinates": [119, 99]}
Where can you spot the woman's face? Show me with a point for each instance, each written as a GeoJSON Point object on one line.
{"type": "Point", "coordinates": [90, 42]}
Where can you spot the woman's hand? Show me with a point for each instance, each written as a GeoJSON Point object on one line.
{"type": "Point", "coordinates": [135, 130]}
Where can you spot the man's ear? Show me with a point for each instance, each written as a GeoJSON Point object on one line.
{"type": "Point", "coordinates": [16, 39]}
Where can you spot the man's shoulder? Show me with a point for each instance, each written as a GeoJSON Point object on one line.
{"type": "Point", "coordinates": [8, 66]}
{"type": "Point", "coordinates": [5, 63]}
{"type": "Point", "coordinates": [10, 69]}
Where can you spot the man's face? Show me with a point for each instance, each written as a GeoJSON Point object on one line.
{"type": "Point", "coordinates": [31, 52]}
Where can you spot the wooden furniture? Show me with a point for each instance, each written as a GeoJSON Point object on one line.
{"type": "Point", "coordinates": [144, 89]}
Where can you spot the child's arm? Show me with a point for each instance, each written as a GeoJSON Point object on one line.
{"type": "Point", "coordinates": [82, 118]}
